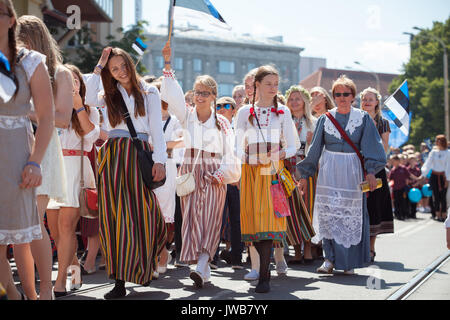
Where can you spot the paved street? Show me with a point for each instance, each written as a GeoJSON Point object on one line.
{"type": "Point", "coordinates": [400, 257]}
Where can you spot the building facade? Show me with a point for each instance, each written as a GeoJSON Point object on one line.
{"type": "Point", "coordinates": [226, 58]}
{"type": "Point", "coordinates": [309, 65]}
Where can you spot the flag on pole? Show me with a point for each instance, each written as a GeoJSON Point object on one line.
{"type": "Point", "coordinates": [398, 108]}
{"type": "Point", "coordinates": [198, 9]}
{"type": "Point", "coordinates": [397, 138]}
{"type": "Point", "coordinates": [139, 46]}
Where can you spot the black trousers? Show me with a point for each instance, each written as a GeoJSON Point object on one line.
{"type": "Point", "coordinates": [439, 198]}
{"type": "Point", "coordinates": [400, 204]}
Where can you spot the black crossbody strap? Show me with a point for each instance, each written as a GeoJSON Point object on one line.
{"type": "Point", "coordinates": [127, 117]}
{"type": "Point", "coordinates": [166, 124]}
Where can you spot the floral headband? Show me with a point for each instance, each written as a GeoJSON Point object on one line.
{"type": "Point", "coordinates": [305, 93]}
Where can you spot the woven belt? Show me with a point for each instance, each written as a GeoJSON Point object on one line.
{"type": "Point", "coordinates": [204, 154]}
{"type": "Point", "coordinates": [73, 153]}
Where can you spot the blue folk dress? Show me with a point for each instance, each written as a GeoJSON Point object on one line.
{"type": "Point", "coordinates": [341, 219]}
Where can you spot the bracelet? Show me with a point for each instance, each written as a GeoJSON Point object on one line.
{"type": "Point", "coordinates": [166, 62]}
{"type": "Point", "coordinates": [32, 163]}
{"type": "Point", "coordinates": [79, 110]}
{"type": "Point", "coordinates": [99, 66]}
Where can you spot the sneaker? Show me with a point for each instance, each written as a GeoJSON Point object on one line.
{"type": "Point", "coordinates": [180, 264]}
{"type": "Point", "coordinates": [155, 275]}
{"type": "Point", "coordinates": [252, 275]}
{"type": "Point", "coordinates": [327, 267]}
{"type": "Point", "coordinates": [197, 278]}
{"type": "Point", "coordinates": [282, 267]}
{"type": "Point", "coordinates": [225, 255]}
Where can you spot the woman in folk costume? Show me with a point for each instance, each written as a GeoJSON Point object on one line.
{"type": "Point", "coordinates": [34, 35]}
{"type": "Point", "coordinates": [209, 141]}
{"type": "Point", "coordinates": [83, 125]}
{"type": "Point", "coordinates": [340, 216]}
{"type": "Point", "coordinates": [260, 144]}
{"type": "Point", "coordinates": [299, 226]}
{"type": "Point", "coordinates": [21, 154]}
{"type": "Point", "coordinates": [132, 229]}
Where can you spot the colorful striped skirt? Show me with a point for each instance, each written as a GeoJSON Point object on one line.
{"type": "Point", "coordinates": [132, 229]}
{"type": "Point", "coordinates": [258, 219]}
{"type": "Point", "coordinates": [201, 210]}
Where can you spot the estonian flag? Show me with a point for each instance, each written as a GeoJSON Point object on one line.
{"type": "Point", "coordinates": [199, 9]}
{"type": "Point", "coordinates": [398, 105]}
{"type": "Point", "coordinates": [139, 46]}
{"type": "Point", "coordinates": [7, 85]}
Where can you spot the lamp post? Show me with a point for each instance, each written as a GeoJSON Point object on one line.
{"type": "Point", "coordinates": [442, 43]}
{"type": "Point", "coordinates": [377, 78]}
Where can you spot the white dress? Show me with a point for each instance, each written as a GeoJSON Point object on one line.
{"type": "Point", "coordinates": [166, 193]}
{"type": "Point", "coordinates": [54, 183]}
{"type": "Point", "coordinates": [70, 140]}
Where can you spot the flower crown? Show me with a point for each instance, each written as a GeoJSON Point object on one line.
{"type": "Point", "coordinates": [305, 93]}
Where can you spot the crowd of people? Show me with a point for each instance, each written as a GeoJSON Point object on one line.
{"type": "Point", "coordinates": [218, 159]}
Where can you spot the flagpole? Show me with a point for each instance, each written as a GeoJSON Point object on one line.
{"type": "Point", "coordinates": [171, 9]}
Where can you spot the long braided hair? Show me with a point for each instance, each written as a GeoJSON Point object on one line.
{"type": "Point", "coordinates": [209, 82]}
{"type": "Point", "coordinates": [12, 42]}
{"type": "Point", "coordinates": [261, 73]}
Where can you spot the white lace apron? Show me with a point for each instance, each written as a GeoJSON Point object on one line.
{"type": "Point", "coordinates": [339, 200]}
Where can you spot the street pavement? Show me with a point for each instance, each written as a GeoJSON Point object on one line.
{"type": "Point", "coordinates": [399, 258]}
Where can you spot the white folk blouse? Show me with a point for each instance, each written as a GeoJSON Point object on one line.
{"type": "Point", "coordinates": [277, 129]}
{"type": "Point", "coordinates": [150, 124]}
{"type": "Point", "coordinates": [203, 135]}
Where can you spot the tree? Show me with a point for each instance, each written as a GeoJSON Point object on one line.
{"type": "Point", "coordinates": [88, 51]}
{"type": "Point", "coordinates": [424, 72]}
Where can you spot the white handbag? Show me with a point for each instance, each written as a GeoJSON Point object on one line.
{"type": "Point", "coordinates": [186, 182]}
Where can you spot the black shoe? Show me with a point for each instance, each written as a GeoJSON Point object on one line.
{"type": "Point", "coordinates": [225, 255]}
{"type": "Point", "coordinates": [197, 278]}
{"type": "Point", "coordinates": [115, 293]}
{"type": "Point", "coordinates": [308, 261]}
{"type": "Point", "coordinates": [238, 265]}
{"type": "Point", "coordinates": [59, 294]}
{"type": "Point", "coordinates": [262, 287]}
{"type": "Point", "coordinates": [372, 256]}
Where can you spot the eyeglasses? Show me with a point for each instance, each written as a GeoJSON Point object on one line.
{"type": "Point", "coordinates": [226, 106]}
{"type": "Point", "coordinates": [204, 94]}
{"type": "Point", "coordinates": [345, 94]}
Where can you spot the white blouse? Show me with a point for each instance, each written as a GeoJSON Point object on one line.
{"type": "Point", "coordinates": [72, 141]}
{"type": "Point", "coordinates": [150, 124]}
{"type": "Point", "coordinates": [439, 161]}
{"type": "Point", "coordinates": [277, 129]}
{"type": "Point", "coordinates": [203, 135]}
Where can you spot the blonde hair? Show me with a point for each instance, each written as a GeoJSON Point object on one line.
{"type": "Point", "coordinates": [306, 97]}
{"type": "Point", "coordinates": [209, 82]}
{"type": "Point", "coordinates": [329, 103]}
{"type": "Point", "coordinates": [34, 35]}
{"type": "Point", "coordinates": [343, 80]}
{"type": "Point", "coordinates": [377, 96]}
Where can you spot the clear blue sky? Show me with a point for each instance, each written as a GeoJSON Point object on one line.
{"type": "Point", "coordinates": [340, 31]}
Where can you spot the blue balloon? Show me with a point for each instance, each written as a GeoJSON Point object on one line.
{"type": "Point", "coordinates": [426, 190]}
{"type": "Point", "coordinates": [414, 195]}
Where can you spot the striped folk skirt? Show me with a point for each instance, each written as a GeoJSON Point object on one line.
{"type": "Point", "coordinates": [132, 229]}
{"type": "Point", "coordinates": [258, 219]}
{"type": "Point", "coordinates": [201, 210]}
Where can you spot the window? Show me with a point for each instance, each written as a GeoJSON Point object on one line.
{"type": "Point", "coordinates": [178, 64]}
{"type": "Point", "coordinates": [107, 6]}
{"type": "Point", "coordinates": [159, 62]}
{"type": "Point", "coordinates": [226, 67]}
{"type": "Point", "coordinates": [197, 65]}
{"type": "Point", "coordinates": [226, 89]}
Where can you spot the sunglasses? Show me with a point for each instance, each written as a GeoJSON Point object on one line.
{"type": "Point", "coordinates": [226, 106]}
{"type": "Point", "coordinates": [345, 94]}
{"type": "Point", "coordinates": [204, 94]}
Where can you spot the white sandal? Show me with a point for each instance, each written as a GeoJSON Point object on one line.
{"type": "Point", "coordinates": [327, 267]}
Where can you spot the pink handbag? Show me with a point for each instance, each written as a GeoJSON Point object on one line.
{"type": "Point", "coordinates": [279, 200]}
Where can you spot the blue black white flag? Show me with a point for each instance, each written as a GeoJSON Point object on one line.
{"type": "Point", "coordinates": [7, 85]}
{"type": "Point", "coordinates": [198, 9]}
{"type": "Point", "coordinates": [398, 108]}
{"type": "Point", "coordinates": [139, 46]}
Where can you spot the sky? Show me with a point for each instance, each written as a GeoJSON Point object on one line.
{"type": "Point", "coordinates": [343, 32]}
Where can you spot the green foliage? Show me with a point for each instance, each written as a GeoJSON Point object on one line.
{"type": "Point", "coordinates": [88, 52]}
{"type": "Point", "coordinates": [425, 77]}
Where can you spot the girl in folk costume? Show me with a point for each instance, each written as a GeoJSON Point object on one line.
{"type": "Point", "coordinates": [84, 125]}
{"type": "Point", "coordinates": [34, 35]}
{"type": "Point", "coordinates": [20, 152]}
{"type": "Point", "coordinates": [298, 101]}
{"type": "Point", "coordinates": [132, 229]}
{"type": "Point", "coordinates": [340, 216]}
{"type": "Point", "coordinates": [259, 224]}
{"type": "Point", "coordinates": [209, 142]}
